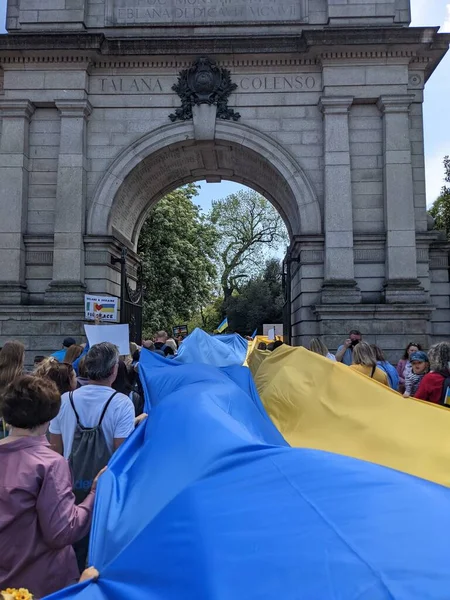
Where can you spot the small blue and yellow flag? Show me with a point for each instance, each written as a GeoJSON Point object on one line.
{"type": "Point", "coordinates": [223, 325]}
{"type": "Point", "coordinates": [254, 333]}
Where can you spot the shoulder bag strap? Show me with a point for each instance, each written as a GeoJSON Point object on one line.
{"type": "Point", "coordinates": [105, 408]}
{"type": "Point", "coordinates": [445, 385]}
{"type": "Point", "coordinates": [73, 407]}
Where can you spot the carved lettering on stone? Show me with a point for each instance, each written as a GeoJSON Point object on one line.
{"type": "Point", "coordinates": [160, 12]}
{"type": "Point", "coordinates": [302, 82]}
{"type": "Point", "coordinates": [150, 84]}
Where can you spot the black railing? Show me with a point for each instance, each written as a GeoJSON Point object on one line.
{"type": "Point", "coordinates": [130, 299]}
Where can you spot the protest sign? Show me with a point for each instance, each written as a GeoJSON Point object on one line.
{"type": "Point", "coordinates": [180, 330]}
{"type": "Point", "coordinates": [277, 332]}
{"type": "Point", "coordinates": [103, 307]}
{"type": "Point", "coordinates": [119, 335]}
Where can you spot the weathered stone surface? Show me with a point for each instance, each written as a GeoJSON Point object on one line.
{"type": "Point", "coordinates": [121, 12]}
{"type": "Point", "coordinates": [331, 132]}
{"type": "Point", "coordinates": [77, 14]}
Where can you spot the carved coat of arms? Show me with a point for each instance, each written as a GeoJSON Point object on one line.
{"type": "Point", "coordinates": [204, 83]}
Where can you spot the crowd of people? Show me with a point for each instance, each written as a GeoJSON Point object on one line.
{"type": "Point", "coordinates": [63, 421]}
{"type": "Point", "coordinates": [418, 374]}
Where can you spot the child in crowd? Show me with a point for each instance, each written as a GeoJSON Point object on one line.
{"type": "Point", "coordinates": [419, 368]}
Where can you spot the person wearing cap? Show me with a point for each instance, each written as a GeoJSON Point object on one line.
{"type": "Point", "coordinates": [433, 387]}
{"type": "Point", "coordinates": [419, 368]}
{"type": "Point", "coordinates": [61, 354]}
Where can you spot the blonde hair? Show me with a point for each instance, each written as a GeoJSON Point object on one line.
{"type": "Point", "coordinates": [171, 343]}
{"type": "Point", "coordinates": [12, 357]}
{"type": "Point", "coordinates": [364, 355]}
{"type": "Point", "coordinates": [318, 347]}
{"type": "Point", "coordinates": [42, 369]}
{"type": "Point", "coordinates": [133, 348]}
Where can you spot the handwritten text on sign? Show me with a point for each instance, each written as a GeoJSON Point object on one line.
{"type": "Point", "coordinates": [101, 307]}
{"type": "Point", "coordinates": [203, 11]}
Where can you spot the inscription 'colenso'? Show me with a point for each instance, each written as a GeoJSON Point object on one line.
{"type": "Point", "coordinates": [141, 84]}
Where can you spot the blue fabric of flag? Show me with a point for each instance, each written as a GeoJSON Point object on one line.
{"type": "Point", "coordinates": [207, 501]}
{"type": "Point", "coordinates": [217, 350]}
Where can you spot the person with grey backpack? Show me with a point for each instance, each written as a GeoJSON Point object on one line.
{"type": "Point", "coordinates": [93, 422]}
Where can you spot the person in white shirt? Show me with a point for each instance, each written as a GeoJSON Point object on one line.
{"type": "Point", "coordinates": [101, 366]}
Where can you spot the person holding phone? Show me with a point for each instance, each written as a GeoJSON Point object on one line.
{"type": "Point", "coordinates": [344, 353]}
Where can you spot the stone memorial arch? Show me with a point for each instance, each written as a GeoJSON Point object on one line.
{"type": "Point", "coordinates": [106, 105]}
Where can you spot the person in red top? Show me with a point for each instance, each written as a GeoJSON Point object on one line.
{"type": "Point", "coordinates": [431, 387]}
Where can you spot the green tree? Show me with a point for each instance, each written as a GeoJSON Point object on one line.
{"type": "Point", "coordinates": [208, 317]}
{"type": "Point", "coordinates": [248, 225]}
{"type": "Point", "coordinates": [440, 210]}
{"type": "Point", "coordinates": [259, 301]}
{"type": "Point", "coordinates": [177, 246]}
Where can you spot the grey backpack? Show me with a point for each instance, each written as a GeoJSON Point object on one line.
{"type": "Point", "coordinates": [89, 454]}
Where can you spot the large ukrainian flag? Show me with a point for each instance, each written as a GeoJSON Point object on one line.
{"type": "Point", "coordinates": [320, 404]}
{"type": "Point", "coordinates": [206, 501]}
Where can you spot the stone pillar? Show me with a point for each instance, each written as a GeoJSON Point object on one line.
{"type": "Point", "coordinates": [402, 285]}
{"type": "Point", "coordinates": [67, 286]}
{"type": "Point", "coordinates": [339, 282]}
{"type": "Point", "coordinates": [14, 150]}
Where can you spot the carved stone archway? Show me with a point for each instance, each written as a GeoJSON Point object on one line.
{"type": "Point", "coordinates": [325, 119]}
{"type": "Point", "coordinates": [170, 157]}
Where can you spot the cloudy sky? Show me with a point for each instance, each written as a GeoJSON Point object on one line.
{"type": "Point", "coordinates": [436, 108]}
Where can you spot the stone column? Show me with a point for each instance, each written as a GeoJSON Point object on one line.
{"type": "Point", "coordinates": [14, 150]}
{"type": "Point", "coordinates": [401, 284]}
{"type": "Point", "coordinates": [67, 286]}
{"type": "Point", "coordinates": [339, 281]}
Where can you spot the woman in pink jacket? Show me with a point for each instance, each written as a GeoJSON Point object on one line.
{"type": "Point", "coordinates": [39, 520]}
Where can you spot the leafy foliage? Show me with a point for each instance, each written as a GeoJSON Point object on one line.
{"type": "Point", "coordinates": [247, 225]}
{"type": "Point", "coordinates": [208, 317]}
{"type": "Point", "coordinates": [259, 301]}
{"type": "Point", "coordinates": [440, 210]}
{"type": "Point", "coordinates": [177, 246]}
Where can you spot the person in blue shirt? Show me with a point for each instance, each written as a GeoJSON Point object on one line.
{"type": "Point", "coordinates": [384, 365]}
{"type": "Point", "coordinates": [61, 354]}
{"type": "Point", "coordinates": [344, 353]}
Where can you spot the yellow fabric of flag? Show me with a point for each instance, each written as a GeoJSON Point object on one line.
{"type": "Point", "coordinates": [317, 403]}
{"type": "Point", "coordinates": [255, 357]}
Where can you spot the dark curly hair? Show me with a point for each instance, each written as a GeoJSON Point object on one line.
{"type": "Point", "coordinates": [29, 401]}
{"type": "Point", "coordinates": [406, 355]}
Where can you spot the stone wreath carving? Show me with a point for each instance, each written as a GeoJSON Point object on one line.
{"type": "Point", "coordinates": [204, 83]}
